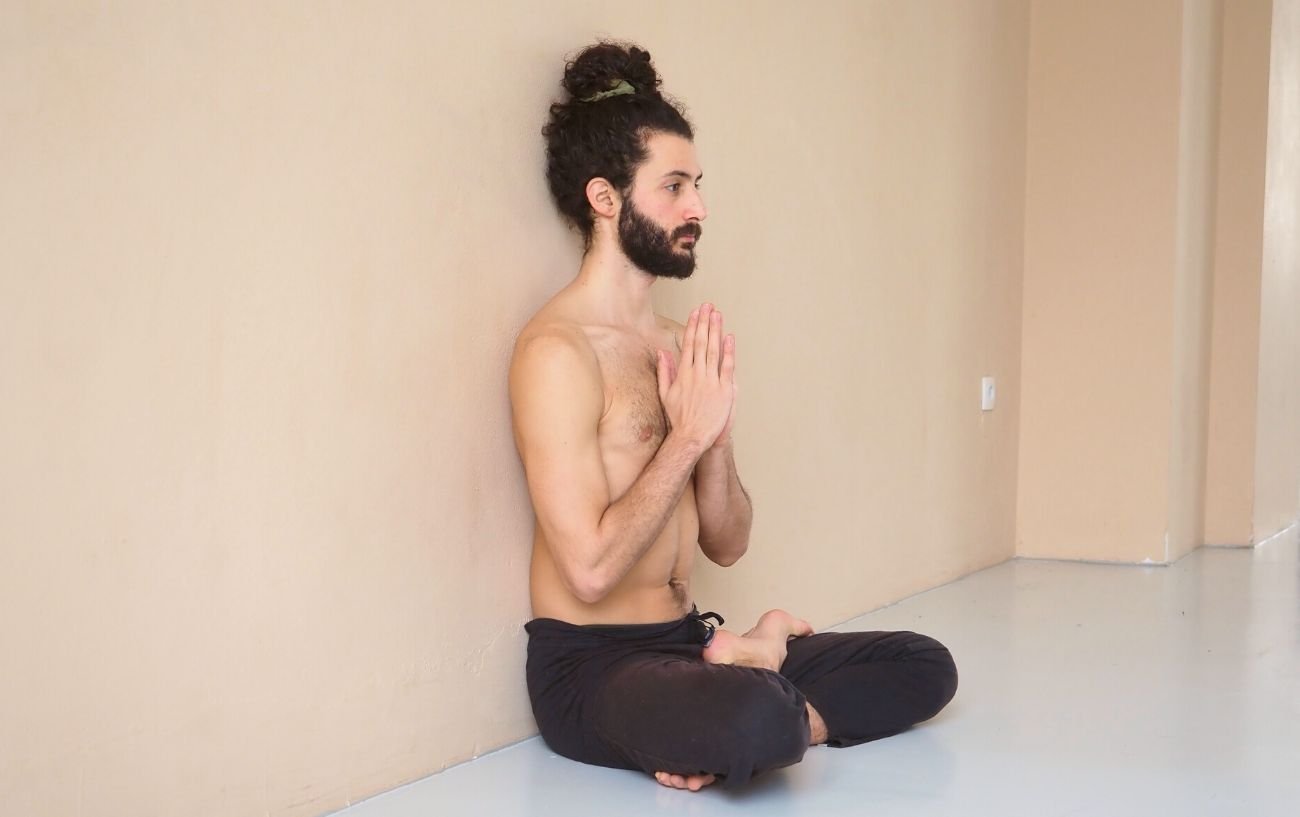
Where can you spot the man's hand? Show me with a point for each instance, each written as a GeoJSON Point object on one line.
{"type": "Point", "coordinates": [725, 512]}
{"type": "Point", "coordinates": [699, 394]}
{"type": "Point", "coordinates": [729, 350]}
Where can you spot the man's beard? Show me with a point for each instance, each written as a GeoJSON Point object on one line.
{"type": "Point", "coordinates": [651, 248]}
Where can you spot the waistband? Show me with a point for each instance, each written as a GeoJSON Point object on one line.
{"type": "Point", "coordinates": [543, 627]}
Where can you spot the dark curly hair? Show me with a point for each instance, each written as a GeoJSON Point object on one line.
{"type": "Point", "coordinates": [606, 137]}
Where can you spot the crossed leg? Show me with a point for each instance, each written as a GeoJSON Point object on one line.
{"type": "Point", "coordinates": [763, 646]}
{"type": "Point", "coordinates": [869, 685]}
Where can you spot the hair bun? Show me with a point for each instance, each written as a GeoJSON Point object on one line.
{"type": "Point", "coordinates": [606, 139]}
{"type": "Point", "coordinates": [600, 67]}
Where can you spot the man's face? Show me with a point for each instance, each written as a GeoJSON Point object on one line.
{"type": "Point", "coordinates": [659, 224]}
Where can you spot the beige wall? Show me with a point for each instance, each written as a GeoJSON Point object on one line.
{"type": "Point", "coordinates": [1239, 231]}
{"type": "Point", "coordinates": [264, 533]}
{"type": "Point", "coordinates": [1139, 443]}
{"type": "Point", "coordinates": [1101, 240]}
{"type": "Point", "coordinates": [1277, 467]}
{"type": "Point", "coordinates": [1193, 268]}
{"type": "Point", "coordinates": [1124, 230]}
{"type": "Point", "coordinates": [1254, 466]}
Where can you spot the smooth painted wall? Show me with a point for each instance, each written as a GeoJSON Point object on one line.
{"type": "Point", "coordinates": [1101, 260]}
{"type": "Point", "coordinates": [1238, 265]}
{"type": "Point", "coordinates": [265, 536]}
{"type": "Point", "coordinates": [1277, 465]}
{"type": "Point", "coordinates": [1193, 274]}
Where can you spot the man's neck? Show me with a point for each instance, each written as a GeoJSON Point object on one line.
{"type": "Point", "coordinates": [615, 290]}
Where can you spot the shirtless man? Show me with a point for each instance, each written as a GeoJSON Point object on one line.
{"type": "Point", "coordinates": [623, 421]}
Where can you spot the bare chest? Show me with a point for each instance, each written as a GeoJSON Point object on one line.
{"type": "Point", "coordinates": [635, 421]}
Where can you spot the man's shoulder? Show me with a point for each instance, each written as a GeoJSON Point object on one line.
{"type": "Point", "coordinates": [554, 362]}
{"type": "Point", "coordinates": [543, 336]}
{"type": "Point", "coordinates": [549, 342]}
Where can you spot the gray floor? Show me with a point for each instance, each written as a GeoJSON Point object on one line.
{"type": "Point", "coordinates": [1086, 689]}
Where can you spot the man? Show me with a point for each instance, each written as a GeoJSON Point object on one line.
{"type": "Point", "coordinates": [623, 421]}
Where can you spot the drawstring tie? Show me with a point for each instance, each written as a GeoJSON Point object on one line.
{"type": "Point", "coordinates": [709, 628]}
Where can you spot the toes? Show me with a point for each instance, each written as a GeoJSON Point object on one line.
{"type": "Point", "coordinates": [699, 781]}
{"type": "Point", "coordinates": [677, 781]}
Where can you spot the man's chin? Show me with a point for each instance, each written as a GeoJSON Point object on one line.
{"type": "Point", "coordinates": [680, 273]}
{"type": "Point", "coordinates": [677, 276]}
{"type": "Point", "coordinates": [684, 267]}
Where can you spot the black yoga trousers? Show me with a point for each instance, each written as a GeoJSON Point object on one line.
{"type": "Point", "coordinates": [640, 696]}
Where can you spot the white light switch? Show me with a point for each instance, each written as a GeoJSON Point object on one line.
{"type": "Point", "coordinates": [988, 394]}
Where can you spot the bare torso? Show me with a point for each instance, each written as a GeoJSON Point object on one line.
{"type": "Point", "coordinates": [628, 433]}
{"type": "Point", "coordinates": [631, 429]}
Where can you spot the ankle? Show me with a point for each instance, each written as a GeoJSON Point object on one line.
{"type": "Point", "coordinates": [816, 727]}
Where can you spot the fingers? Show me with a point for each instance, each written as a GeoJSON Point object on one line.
{"type": "Point", "coordinates": [701, 339]}
{"type": "Point", "coordinates": [714, 352]}
{"type": "Point", "coordinates": [729, 359]}
{"type": "Point", "coordinates": [702, 342]}
{"type": "Point", "coordinates": [688, 339]}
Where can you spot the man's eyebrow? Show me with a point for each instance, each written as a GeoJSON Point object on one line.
{"type": "Point", "coordinates": [681, 173]}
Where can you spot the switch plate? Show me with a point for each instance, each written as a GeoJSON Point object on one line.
{"type": "Point", "coordinates": [988, 394]}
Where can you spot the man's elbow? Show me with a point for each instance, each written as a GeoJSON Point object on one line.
{"type": "Point", "coordinates": [588, 585]}
{"type": "Point", "coordinates": [589, 590]}
{"type": "Point", "coordinates": [724, 556]}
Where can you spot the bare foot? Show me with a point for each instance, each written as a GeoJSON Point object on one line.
{"type": "Point", "coordinates": [729, 648]}
{"type": "Point", "coordinates": [694, 782]}
{"type": "Point", "coordinates": [762, 647]}
{"type": "Point", "coordinates": [779, 624]}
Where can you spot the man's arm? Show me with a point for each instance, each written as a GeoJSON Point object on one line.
{"type": "Point", "coordinates": [557, 404]}
{"type": "Point", "coordinates": [726, 513]}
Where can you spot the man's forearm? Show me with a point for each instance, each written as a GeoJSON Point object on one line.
{"type": "Point", "coordinates": [631, 524]}
{"type": "Point", "coordinates": [726, 514]}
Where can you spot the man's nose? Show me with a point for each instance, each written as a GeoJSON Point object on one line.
{"type": "Point", "coordinates": [696, 210]}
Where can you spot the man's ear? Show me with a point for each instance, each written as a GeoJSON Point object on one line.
{"type": "Point", "coordinates": [602, 197]}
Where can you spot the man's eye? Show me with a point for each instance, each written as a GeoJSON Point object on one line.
{"type": "Point", "coordinates": [673, 187]}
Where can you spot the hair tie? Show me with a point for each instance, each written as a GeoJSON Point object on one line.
{"type": "Point", "coordinates": [623, 87]}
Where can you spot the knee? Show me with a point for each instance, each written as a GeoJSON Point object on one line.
{"type": "Point", "coordinates": [939, 678]}
{"type": "Point", "coordinates": [771, 723]}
